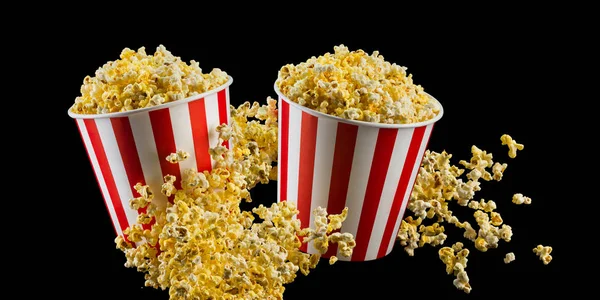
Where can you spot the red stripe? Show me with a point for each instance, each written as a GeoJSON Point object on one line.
{"type": "Point", "coordinates": [90, 124]}
{"type": "Point", "coordinates": [345, 140]}
{"type": "Point", "coordinates": [223, 111]}
{"type": "Point", "coordinates": [200, 134]}
{"type": "Point", "coordinates": [165, 143]}
{"type": "Point", "coordinates": [308, 142]}
{"type": "Point", "coordinates": [409, 164]}
{"type": "Point", "coordinates": [97, 179]}
{"type": "Point", "coordinates": [283, 162]}
{"type": "Point", "coordinates": [381, 160]}
{"type": "Point", "coordinates": [129, 154]}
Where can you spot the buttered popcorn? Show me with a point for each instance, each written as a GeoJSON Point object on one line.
{"type": "Point", "coordinates": [177, 157]}
{"type": "Point", "coordinates": [357, 86]}
{"type": "Point", "coordinates": [138, 80]}
{"type": "Point", "coordinates": [513, 146]}
{"type": "Point", "coordinates": [544, 253]}
{"type": "Point", "coordinates": [437, 184]}
{"type": "Point", "coordinates": [202, 246]}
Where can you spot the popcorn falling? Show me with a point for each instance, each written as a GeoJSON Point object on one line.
{"type": "Point", "coordinates": [439, 183]}
{"type": "Point", "coordinates": [202, 246]}
{"type": "Point", "coordinates": [544, 253]}
{"type": "Point", "coordinates": [510, 257]}
{"type": "Point", "coordinates": [513, 146]}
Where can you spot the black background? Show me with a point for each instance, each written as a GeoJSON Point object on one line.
{"type": "Point", "coordinates": [493, 75]}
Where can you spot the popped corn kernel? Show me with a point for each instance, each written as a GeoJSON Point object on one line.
{"type": "Point", "coordinates": [498, 171]}
{"type": "Point", "coordinates": [510, 257]}
{"type": "Point", "coordinates": [408, 235]}
{"type": "Point", "coordinates": [333, 260]}
{"type": "Point", "coordinates": [138, 80]}
{"type": "Point", "coordinates": [513, 146]}
{"type": "Point", "coordinates": [456, 262]}
{"type": "Point", "coordinates": [519, 199]}
{"type": "Point", "coordinates": [544, 253]}
{"type": "Point", "coordinates": [178, 156]}
{"type": "Point", "coordinates": [357, 86]}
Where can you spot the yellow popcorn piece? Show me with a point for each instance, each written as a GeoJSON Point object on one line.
{"type": "Point", "coordinates": [333, 260]}
{"type": "Point", "coordinates": [209, 248]}
{"type": "Point", "coordinates": [498, 171]}
{"type": "Point", "coordinates": [519, 199]}
{"type": "Point", "coordinates": [138, 80]}
{"type": "Point", "coordinates": [408, 234]}
{"type": "Point", "coordinates": [510, 257]}
{"type": "Point", "coordinates": [357, 86]}
{"type": "Point", "coordinates": [544, 253]}
{"type": "Point", "coordinates": [513, 146]}
{"type": "Point", "coordinates": [456, 262]}
{"type": "Point", "coordinates": [177, 157]}
{"type": "Point", "coordinates": [433, 235]}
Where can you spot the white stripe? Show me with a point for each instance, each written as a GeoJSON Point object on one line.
{"type": "Point", "coordinates": [324, 149]}
{"type": "Point", "coordinates": [411, 182]}
{"type": "Point", "coordinates": [117, 167]}
{"type": "Point", "coordinates": [146, 147]}
{"type": "Point", "coordinates": [182, 132]}
{"type": "Point", "coordinates": [294, 128]}
{"type": "Point", "coordinates": [279, 104]}
{"type": "Point", "coordinates": [228, 104]}
{"type": "Point", "coordinates": [389, 191]}
{"type": "Point", "coordinates": [211, 105]}
{"type": "Point", "coordinates": [101, 182]}
{"type": "Point", "coordinates": [364, 150]}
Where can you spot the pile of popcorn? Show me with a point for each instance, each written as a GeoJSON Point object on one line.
{"type": "Point", "coordinates": [439, 183]}
{"type": "Point", "coordinates": [138, 80]}
{"type": "Point", "coordinates": [203, 246]}
{"type": "Point", "coordinates": [357, 86]}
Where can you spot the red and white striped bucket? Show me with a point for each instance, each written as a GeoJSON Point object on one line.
{"type": "Point", "coordinates": [130, 147]}
{"type": "Point", "coordinates": [332, 162]}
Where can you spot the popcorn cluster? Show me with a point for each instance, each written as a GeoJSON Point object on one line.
{"type": "Point", "coordinates": [202, 246]}
{"type": "Point", "coordinates": [439, 183]}
{"type": "Point", "coordinates": [357, 86]}
{"type": "Point", "coordinates": [138, 80]}
{"type": "Point", "coordinates": [544, 253]}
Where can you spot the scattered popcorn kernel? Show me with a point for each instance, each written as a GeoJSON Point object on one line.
{"type": "Point", "coordinates": [332, 260]}
{"type": "Point", "coordinates": [510, 257]}
{"type": "Point", "coordinates": [178, 156]}
{"type": "Point", "coordinates": [513, 146]}
{"type": "Point", "coordinates": [544, 253]}
{"type": "Point", "coordinates": [357, 86]}
{"type": "Point", "coordinates": [138, 80]}
{"type": "Point", "coordinates": [498, 171]}
{"type": "Point", "coordinates": [456, 264]}
{"type": "Point", "coordinates": [519, 199]}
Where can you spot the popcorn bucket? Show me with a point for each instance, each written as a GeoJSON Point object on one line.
{"type": "Point", "coordinates": [334, 163]}
{"type": "Point", "coordinates": [130, 147]}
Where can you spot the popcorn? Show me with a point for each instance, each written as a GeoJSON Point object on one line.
{"type": "Point", "coordinates": [408, 235]}
{"type": "Point", "coordinates": [510, 257]}
{"type": "Point", "coordinates": [357, 86]}
{"type": "Point", "coordinates": [333, 260]}
{"type": "Point", "coordinates": [544, 253]}
{"type": "Point", "coordinates": [138, 80]}
{"type": "Point", "coordinates": [519, 199]}
{"type": "Point", "coordinates": [202, 246]}
{"type": "Point", "coordinates": [513, 146]}
{"type": "Point", "coordinates": [456, 264]}
{"type": "Point", "coordinates": [177, 157]}
{"type": "Point", "coordinates": [498, 170]}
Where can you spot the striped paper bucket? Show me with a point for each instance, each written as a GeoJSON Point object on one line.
{"type": "Point", "coordinates": [125, 148]}
{"type": "Point", "coordinates": [335, 163]}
